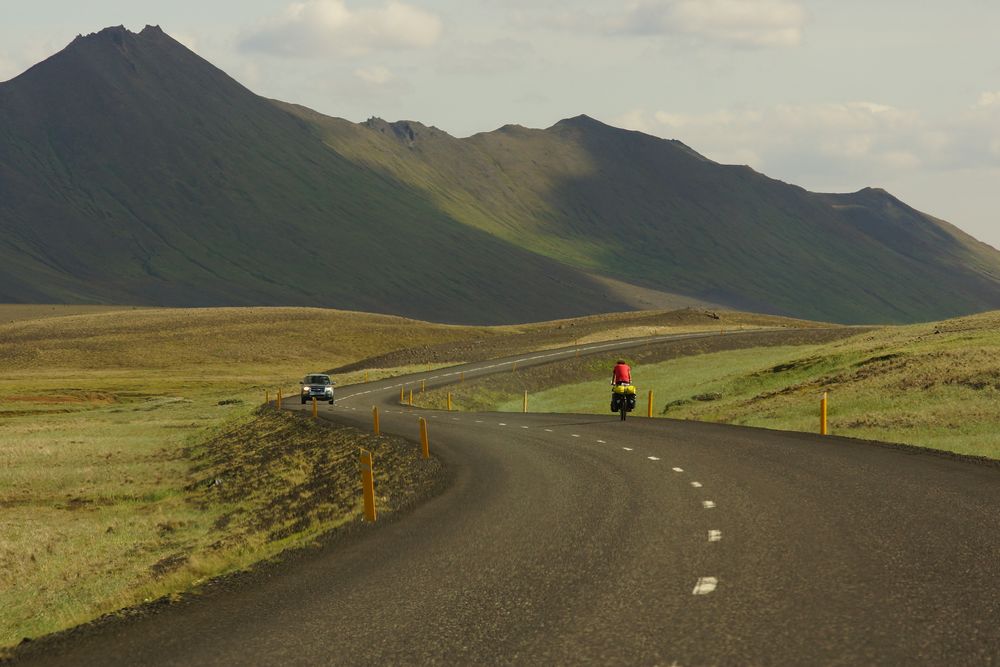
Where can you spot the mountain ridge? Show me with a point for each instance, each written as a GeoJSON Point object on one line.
{"type": "Point", "coordinates": [134, 171]}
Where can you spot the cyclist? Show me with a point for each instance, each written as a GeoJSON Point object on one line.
{"type": "Point", "coordinates": [621, 374]}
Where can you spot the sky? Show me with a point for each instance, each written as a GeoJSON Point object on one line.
{"type": "Point", "coordinates": [831, 95]}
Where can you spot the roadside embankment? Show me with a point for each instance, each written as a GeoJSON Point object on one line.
{"type": "Point", "coordinates": [258, 484]}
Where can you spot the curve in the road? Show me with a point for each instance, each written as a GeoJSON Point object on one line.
{"type": "Point", "coordinates": [568, 539]}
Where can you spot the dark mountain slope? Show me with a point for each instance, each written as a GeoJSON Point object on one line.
{"type": "Point", "coordinates": [132, 171]}
{"type": "Point", "coordinates": [656, 213]}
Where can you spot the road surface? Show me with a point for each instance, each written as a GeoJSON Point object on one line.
{"type": "Point", "coordinates": [575, 539]}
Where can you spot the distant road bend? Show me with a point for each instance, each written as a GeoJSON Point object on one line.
{"type": "Point", "coordinates": [578, 539]}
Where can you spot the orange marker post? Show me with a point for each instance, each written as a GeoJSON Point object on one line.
{"type": "Point", "coordinates": [411, 398]}
{"type": "Point", "coordinates": [823, 430]}
{"type": "Point", "coordinates": [649, 408]}
{"type": "Point", "coordinates": [375, 419]}
{"type": "Point", "coordinates": [400, 395]}
{"type": "Point", "coordinates": [524, 406]}
{"type": "Point", "coordinates": [423, 438]}
{"type": "Point", "coordinates": [278, 403]}
{"type": "Point", "coordinates": [368, 484]}
{"type": "Point", "coordinates": [449, 401]}
{"type": "Point", "coordinates": [315, 408]}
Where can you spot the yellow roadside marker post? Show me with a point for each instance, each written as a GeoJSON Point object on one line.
{"type": "Point", "coordinates": [366, 376]}
{"type": "Point", "coordinates": [411, 398]}
{"type": "Point", "coordinates": [449, 401]}
{"type": "Point", "coordinates": [315, 408]}
{"type": "Point", "coordinates": [461, 376]}
{"type": "Point", "coordinates": [279, 399]}
{"type": "Point", "coordinates": [649, 408]}
{"type": "Point", "coordinates": [267, 396]}
{"type": "Point", "coordinates": [524, 407]}
{"type": "Point", "coordinates": [822, 414]}
{"type": "Point", "coordinates": [400, 395]}
{"type": "Point", "coordinates": [368, 484]}
{"type": "Point", "coordinates": [423, 438]}
{"type": "Point", "coordinates": [375, 419]}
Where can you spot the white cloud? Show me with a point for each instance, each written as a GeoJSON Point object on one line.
{"type": "Point", "coordinates": [739, 23]}
{"type": "Point", "coordinates": [375, 74]}
{"type": "Point", "coordinates": [328, 27]}
{"type": "Point", "coordinates": [819, 145]}
{"type": "Point", "coordinates": [745, 23]}
{"type": "Point", "coordinates": [989, 100]}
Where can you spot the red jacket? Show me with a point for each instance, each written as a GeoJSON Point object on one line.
{"type": "Point", "coordinates": [622, 373]}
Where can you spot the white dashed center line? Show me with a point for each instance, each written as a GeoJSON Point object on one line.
{"type": "Point", "coordinates": [575, 435]}
{"type": "Point", "coordinates": [501, 424]}
{"type": "Point", "coordinates": [524, 427]}
{"type": "Point", "coordinates": [602, 442]}
{"type": "Point", "coordinates": [714, 535]}
{"type": "Point", "coordinates": [705, 585]}
{"type": "Point", "coordinates": [548, 430]}
{"type": "Point", "coordinates": [696, 485]}
{"type": "Point", "coordinates": [678, 469]}
{"type": "Point", "coordinates": [653, 458]}
{"type": "Point", "coordinates": [707, 504]}
{"type": "Point", "coordinates": [627, 449]}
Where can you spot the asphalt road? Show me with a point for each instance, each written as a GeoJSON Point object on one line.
{"type": "Point", "coordinates": [569, 539]}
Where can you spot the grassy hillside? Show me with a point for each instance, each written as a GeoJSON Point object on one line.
{"type": "Point", "coordinates": [934, 385]}
{"type": "Point", "coordinates": [656, 213]}
{"type": "Point", "coordinates": [132, 171]}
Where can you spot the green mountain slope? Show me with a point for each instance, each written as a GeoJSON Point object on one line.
{"type": "Point", "coordinates": [132, 171]}
{"type": "Point", "coordinates": [656, 213]}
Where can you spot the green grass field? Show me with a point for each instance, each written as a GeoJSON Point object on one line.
{"type": "Point", "coordinates": [934, 385]}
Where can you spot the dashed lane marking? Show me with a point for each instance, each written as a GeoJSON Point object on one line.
{"type": "Point", "coordinates": [548, 430]}
{"type": "Point", "coordinates": [602, 442]}
{"type": "Point", "coordinates": [696, 485]}
{"type": "Point", "coordinates": [653, 458]}
{"type": "Point", "coordinates": [707, 504]}
{"type": "Point", "coordinates": [575, 435]}
{"type": "Point", "coordinates": [714, 535]}
{"type": "Point", "coordinates": [705, 585]}
{"type": "Point", "coordinates": [525, 427]}
{"type": "Point", "coordinates": [627, 449]}
{"type": "Point", "coordinates": [479, 421]}
{"type": "Point", "coordinates": [678, 469]}
{"type": "Point", "coordinates": [501, 424]}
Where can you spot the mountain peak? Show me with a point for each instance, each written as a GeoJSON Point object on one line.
{"type": "Point", "coordinates": [582, 121]}
{"type": "Point", "coordinates": [406, 131]}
